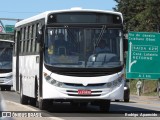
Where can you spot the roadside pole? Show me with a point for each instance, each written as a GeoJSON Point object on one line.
{"type": "Point", "coordinates": [158, 88]}
{"type": "Point", "coordinates": [139, 86]}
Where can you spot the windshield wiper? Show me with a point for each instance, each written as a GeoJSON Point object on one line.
{"type": "Point", "coordinates": [2, 51]}
{"type": "Point", "coordinates": [100, 35]}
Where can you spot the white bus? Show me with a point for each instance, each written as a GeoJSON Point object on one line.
{"type": "Point", "coordinates": [6, 48]}
{"type": "Point", "coordinates": [55, 58]}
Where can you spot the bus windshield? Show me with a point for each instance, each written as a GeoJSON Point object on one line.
{"type": "Point", "coordinates": [5, 55]}
{"type": "Point", "coordinates": [83, 47]}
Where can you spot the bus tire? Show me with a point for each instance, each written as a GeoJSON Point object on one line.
{"type": "Point", "coordinates": [126, 100]}
{"type": "Point", "coordinates": [104, 105]}
{"type": "Point", "coordinates": [23, 99]}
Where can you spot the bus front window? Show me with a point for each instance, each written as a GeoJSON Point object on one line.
{"type": "Point", "coordinates": [83, 47]}
{"type": "Point", "coordinates": [5, 56]}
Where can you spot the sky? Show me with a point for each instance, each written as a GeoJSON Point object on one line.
{"type": "Point", "coordinates": [22, 9]}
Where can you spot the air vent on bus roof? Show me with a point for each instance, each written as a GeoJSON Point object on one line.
{"type": "Point", "coordinates": [76, 8]}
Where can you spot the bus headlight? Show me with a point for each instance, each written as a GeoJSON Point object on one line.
{"type": "Point", "coordinates": [52, 81]}
{"type": "Point", "coordinates": [109, 84]}
{"type": "Point", "coordinates": [120, 79]}
{"type": "Point", "coordinates": [115, 83]}
{"type": "Point", "coordinates": [59, 84]}
{"type": "Point", "coordinates": [9, 77]}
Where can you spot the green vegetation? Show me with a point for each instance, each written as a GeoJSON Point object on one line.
{"type": "Point", "coordinates": [140, 15]}
{"type": "Point", "coordinates": [149, 87]}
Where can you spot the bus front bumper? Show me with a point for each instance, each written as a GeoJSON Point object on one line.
{"type": "Point", "coordinates": [101, 93]}
{"type": "Point", "coordinates": [6, 81]}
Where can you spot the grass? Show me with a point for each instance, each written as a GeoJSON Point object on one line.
{"type": "Point", "coordinates": [149, 87]}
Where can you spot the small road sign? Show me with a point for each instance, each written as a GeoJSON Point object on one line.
{"type": "Point", "coordinates": [9, 28]}
{"type": "Point", "coordinates": [143, 55]}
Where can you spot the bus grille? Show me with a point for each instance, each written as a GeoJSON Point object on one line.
{"type": "Point", "coordinates": [75, 93]}
{"type": "Point", "coordinates": [84, 95]}
{"type": "Point", "coordinates": [89, 85]}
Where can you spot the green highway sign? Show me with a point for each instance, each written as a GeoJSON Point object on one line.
{"type": "Point", "coordinates": [9, 28]}
{"type": "Point", "coordinates": [143, 58]}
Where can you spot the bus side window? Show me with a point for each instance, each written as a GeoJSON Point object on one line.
{"type": "Point", "coordinates": [22, 40]}
{"type": "Point", "coordinates": [38, 26]}
{"type": "Point", "coordinates": [34, 38]}
{"type": "Point", "coordinates": [15, 44]}
{"type": "Point", "coordinates": [29, 37]}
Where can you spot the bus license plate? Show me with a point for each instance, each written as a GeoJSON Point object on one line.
{"type": "Point", "coordinates": [84, 92]}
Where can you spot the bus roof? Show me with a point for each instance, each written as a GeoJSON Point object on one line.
{"type": "Point", "coordinates": [45, 14]}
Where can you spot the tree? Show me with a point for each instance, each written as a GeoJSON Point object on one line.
{"type": "Point", "coordinates": [139, 15]}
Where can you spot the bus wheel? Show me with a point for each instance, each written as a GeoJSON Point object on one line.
{"type": "Point", "coordinates": [104, 105]}
{"type": "Point", "coordinates": [126, 100]}
{"type": "Point", "coordinates": [23, 98]}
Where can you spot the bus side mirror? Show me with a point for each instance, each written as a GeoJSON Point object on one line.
{"type": "Point", "coordinates": [12, 44]}
{"type": "Point", "coordinates": [125, 44]}
{"type": "Point", "coordinates": [39, 33]}
{"type": "Point", "coordinates": [39, 36]}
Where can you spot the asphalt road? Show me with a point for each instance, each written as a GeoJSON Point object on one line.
{"type": "Point", "coordinates": [64, 111]}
